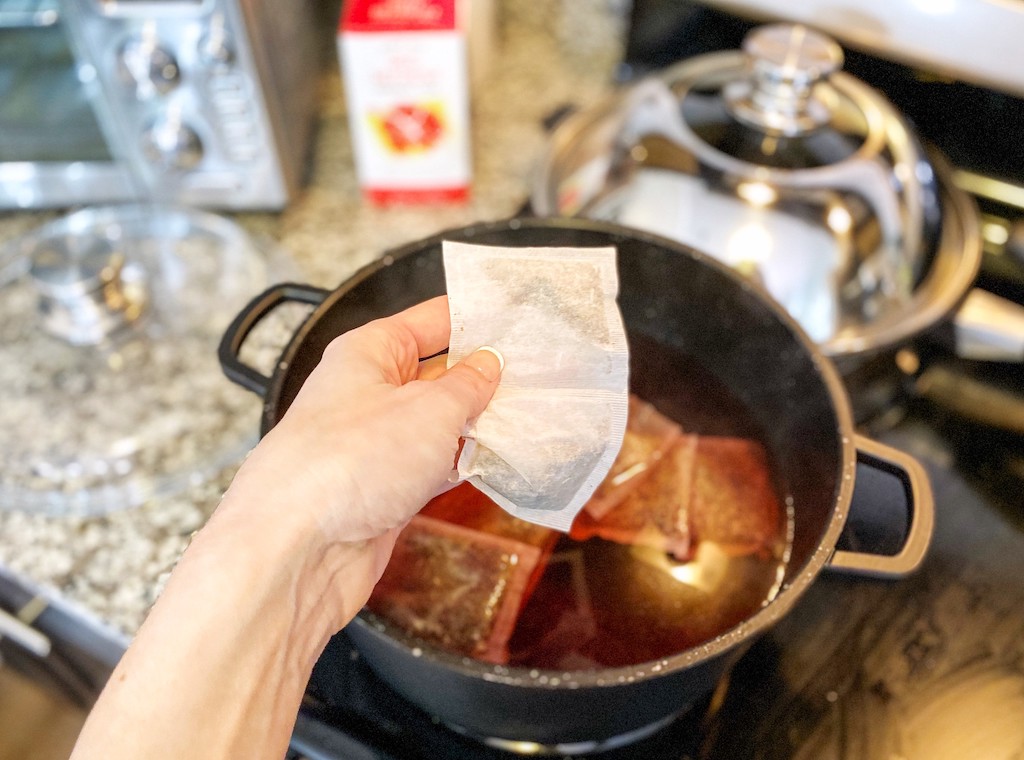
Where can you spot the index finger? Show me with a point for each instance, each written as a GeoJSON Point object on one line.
{"type": "Point", "coordinates": [429, 325]}
{"type": "Point", "coordinates": [390, 348]}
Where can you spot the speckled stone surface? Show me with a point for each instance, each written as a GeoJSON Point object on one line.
{"type": "Point", "coordinates": [113, 566]}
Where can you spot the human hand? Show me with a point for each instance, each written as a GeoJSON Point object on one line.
{"type": "Point", "coordinates": [374, 432]}
{"type": "Point", "coordinates": [294, 549]}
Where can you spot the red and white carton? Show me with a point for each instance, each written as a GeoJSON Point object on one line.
{"type": "Point", "coordinates": [405, 69]}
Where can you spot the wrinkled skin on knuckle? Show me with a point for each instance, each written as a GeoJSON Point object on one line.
{"type": "Point", "coordinates": [340, 345]}
{"type": "Point", "coordinates": [449, 401]}
{"type": "Point", "coordinates": [404, 451]}
{"type": "Point", "coordinates": [375, 443]}
{"type": "Point", "coordinates": [387, 344]}
{"type": "Point", "coordinates": [438, 409]}
{"type": "Point", "coordinates": [369, 350]}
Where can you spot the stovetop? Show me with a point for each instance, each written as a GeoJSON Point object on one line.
{"type": "Point", "coordinates": [926, 668]}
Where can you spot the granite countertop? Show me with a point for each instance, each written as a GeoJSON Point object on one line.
{"type": "Point", "coordinates": [111, 567]}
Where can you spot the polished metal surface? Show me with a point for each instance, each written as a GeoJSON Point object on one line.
{"type": "Point", "coordinates": [787, 62]}
{"type": "Point", "coordinates": [23, 634]}
{"type": "Point", "coordinates": [30, 184]}
{"type": "Point", "coordinates": [170, 145]}
{"type": "Point", "coordinates": [147, 67]}
{"type": "Point", "coordinates": [839, 213]}
{"type": "Point", "coordinates": [27, 14]}
{"type": "Point", "coordinates": [216, 48]}
{"type": "Point", "coordinates": [52, 150]}
{"type": "Point", "coordinates": [989, 328]}
{"type": "Point", "coordinates": [169, 123]}
{"type": "Point", "coordinates": [178, 102]}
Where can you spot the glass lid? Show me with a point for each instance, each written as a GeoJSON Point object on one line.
{"type": "Point", "coordinates": [109, 325]}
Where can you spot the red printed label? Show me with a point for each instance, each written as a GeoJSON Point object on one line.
{"type": "Point", "coordinates": [409, 128]}
{"type": "Point", "coordinates": [400, 196]}
{"type": "Point", "coordinates": [397, 15]}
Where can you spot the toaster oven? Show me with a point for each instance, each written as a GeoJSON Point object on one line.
{"type": "Point", "coordinates": [202, 102]}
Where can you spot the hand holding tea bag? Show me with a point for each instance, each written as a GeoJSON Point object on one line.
{"type": "Point", "coordinates": [555, 424]}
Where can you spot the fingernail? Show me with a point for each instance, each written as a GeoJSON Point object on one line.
{"type": "Point", "coordinates": [483, 361]}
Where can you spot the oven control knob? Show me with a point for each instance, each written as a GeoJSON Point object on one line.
{"type": "Point", "coordinates": [150, 68]}
{"type": "Point", "coordinates": [169, 144]}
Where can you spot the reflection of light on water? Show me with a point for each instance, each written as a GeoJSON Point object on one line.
{"type": "Point", "coordinates": [523, 748]}
{"type": "Point", "coordinates": [757, 193]}
{"type": "Point", "coordinates": [839, 220]}
{"type": "Point", "coordinates": [581, 590]}
{"type": "Point", "coordinates": [748, 242]}
{"type": "Point", "coordinates": [705, 572]}
{"type": "Point", "coordinates": [787, 551]}
{"type": "Point", "coordinates": [629, 473]}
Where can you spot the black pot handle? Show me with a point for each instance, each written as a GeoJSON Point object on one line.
{"type": "Point", "coordinates": [890, 487]}
{"type": "Point", "coordinates": [247, 319]}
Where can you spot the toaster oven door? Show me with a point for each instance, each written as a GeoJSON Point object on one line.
{"type": "Point", "coordinates": [52, 149]}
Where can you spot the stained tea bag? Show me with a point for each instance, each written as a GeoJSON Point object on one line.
{"type": "Point", "coordinates": [734, 503]}
{"type": "Point", "coordinates": [649, 436]}
{"type": "Point", "coordinates": [656, 512]}
{"type": "Point", "coordinates": [456, 587]}
{"type": "Point", "coordinates": [471, 508]}
{"type": "Point", "coordinates": [554, 426]}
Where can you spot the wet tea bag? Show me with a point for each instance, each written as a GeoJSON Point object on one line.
{"type": "Point", "coordinates": [734, 503]}
{"type": "Point", "coordinates": [550, 434]}
{"type": "Point", "coordinates": [649, 436]}
{"type": "Point", "coordinates": [645, 499]}
{"type": "Point", "coordinates": [456, 587]}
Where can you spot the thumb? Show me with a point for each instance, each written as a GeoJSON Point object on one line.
{"type": "Point", "coordinates": [474, 379]}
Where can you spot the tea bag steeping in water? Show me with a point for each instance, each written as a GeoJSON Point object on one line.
{"type": "Point", "coordinates": [555, 424]}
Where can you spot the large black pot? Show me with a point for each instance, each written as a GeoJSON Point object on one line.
{"type": "Point", "coordinates": [686, 301]}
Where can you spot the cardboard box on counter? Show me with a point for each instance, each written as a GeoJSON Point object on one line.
{"type": "Point", "coordinates": [406, 74]}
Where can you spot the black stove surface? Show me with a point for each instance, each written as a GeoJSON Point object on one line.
{"type": "Point", "coordinates": [926, 668]}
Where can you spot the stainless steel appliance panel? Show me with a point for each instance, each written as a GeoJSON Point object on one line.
{"type": "Point", "coordinates": [201, 102]}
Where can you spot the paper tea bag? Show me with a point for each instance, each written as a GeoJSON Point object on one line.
{"type": "Point", "coordinates": [553, 428]}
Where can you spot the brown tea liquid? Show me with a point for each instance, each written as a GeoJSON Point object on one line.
{"type": "Point", "coordinates": [603, 604]}
{"type": "Point", "coordinates": [600, 604]}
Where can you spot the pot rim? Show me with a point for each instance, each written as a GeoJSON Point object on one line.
{"type": "Point", "coordinates": [606, 677]}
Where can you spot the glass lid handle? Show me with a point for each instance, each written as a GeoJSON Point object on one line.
{"type": "Point", "coordinates": [84, 296]}
{"type": "Point", "coordinates": [786, 61]}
